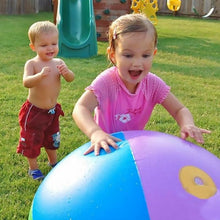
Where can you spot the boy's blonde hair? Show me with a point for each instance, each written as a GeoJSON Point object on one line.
{"type": "Point", "coordinates": [129, 23]}
{"type": "Point", "coordinates": [40, 27]}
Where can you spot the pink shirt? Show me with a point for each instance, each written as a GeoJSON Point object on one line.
{"type": "Point", "coordinates": [118, 109]}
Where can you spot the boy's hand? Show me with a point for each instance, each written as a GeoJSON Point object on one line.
{"type": "Point", "coordinates": [45, 71]}
{"type": "Point", "coordinates": [63, 69]}
{"type": "Point", "coordinates": [100, 139]}
{"type": "Point", "coordinates": [67, 74]}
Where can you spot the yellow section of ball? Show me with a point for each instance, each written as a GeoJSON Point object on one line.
{"type": "Point", "coordinates": [197, 182]}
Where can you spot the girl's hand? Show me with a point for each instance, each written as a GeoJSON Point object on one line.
{"type": "Point", "coordinates": [194, 132]}
{"type": "Point", "coordinates": [100, 139]}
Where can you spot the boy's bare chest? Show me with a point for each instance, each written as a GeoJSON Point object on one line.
{"type": "Point", "coordinates": [52, 78]}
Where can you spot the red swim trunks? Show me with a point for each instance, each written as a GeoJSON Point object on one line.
{"type": "Point", "coordinates": [39, 128]}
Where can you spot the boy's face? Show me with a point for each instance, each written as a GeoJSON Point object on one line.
{"type": "Point", "coordinates": [133, 56]}
{"type": "Point", "coordinates": [46, 45]}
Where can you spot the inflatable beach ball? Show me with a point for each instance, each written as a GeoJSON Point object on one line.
{"type": "Point", "coordinates": [152, 176]}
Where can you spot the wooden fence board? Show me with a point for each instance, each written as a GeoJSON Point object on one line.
{"type": "Point", "coordinates": [24, 6]}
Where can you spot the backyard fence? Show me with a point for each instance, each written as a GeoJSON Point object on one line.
{"type": "Point", "coordinates": [13, 7]}
{"type": "Point", "coordinates": [188, 7]}
{"type": "Point", "coordinates": [193, 7]}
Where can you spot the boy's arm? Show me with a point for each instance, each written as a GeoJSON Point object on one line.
{"type": "Point", "coordinates": [30, 79]}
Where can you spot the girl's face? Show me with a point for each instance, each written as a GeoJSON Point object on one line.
{"type": "Point", "coordinates": [46, 45]}
{"type": "Point", "coordinates": [133, 56]}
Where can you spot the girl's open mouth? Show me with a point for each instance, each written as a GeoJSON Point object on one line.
{"type": "Point", "coordinates": [135, 73]}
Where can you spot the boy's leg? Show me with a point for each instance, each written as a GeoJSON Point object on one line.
{"type": "Point", "coordinates": [52, 136]}
{"type": "Point", "coordinates": [52, 156]}
{"type": "Point", "coordinates": [32, 163]}
{"type": "Point", "coordinates": [33, 171]}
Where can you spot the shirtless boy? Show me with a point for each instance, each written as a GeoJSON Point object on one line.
{"type": "Point", "coordinates": [39, 115]}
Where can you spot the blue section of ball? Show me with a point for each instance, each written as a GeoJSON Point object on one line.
{"type": "Point", "coordinates": [141, 180]}
{"type": "Point", "coordinates": [92, 187]}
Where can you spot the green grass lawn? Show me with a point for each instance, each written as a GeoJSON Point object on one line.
{"type": "Point", "coordinates": [188, 59]}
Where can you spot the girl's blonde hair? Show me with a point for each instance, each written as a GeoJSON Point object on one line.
{"type": "Point", "coordinates": [129, 23]}
{"type": "Point", "coordinates": [40, 27]}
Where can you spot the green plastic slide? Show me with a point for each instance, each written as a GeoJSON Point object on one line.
{"type": "Point", "coordinates": [77, 29]}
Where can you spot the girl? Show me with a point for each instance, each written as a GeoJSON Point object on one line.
{"type": "Point", "coordinates": [124, 95]}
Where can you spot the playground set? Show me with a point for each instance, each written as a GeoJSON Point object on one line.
{"type": "Point", "coordinates": [82, 22]}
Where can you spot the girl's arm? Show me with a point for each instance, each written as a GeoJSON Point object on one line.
{"type": "Point", "coordinates": [83, 116]}
{"type": "Point", "coordinates": [184, 119]}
